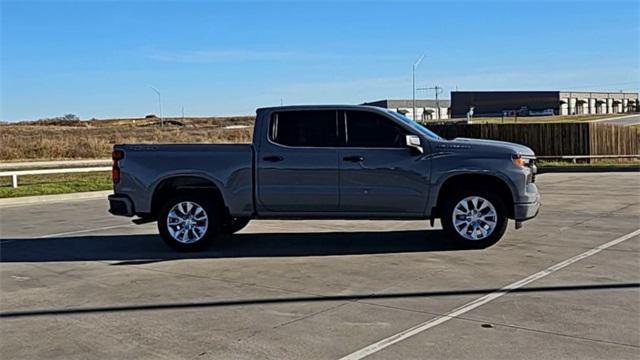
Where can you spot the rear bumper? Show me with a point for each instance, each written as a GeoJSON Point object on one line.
{"type": "Point", "coordinates": [120, 205]}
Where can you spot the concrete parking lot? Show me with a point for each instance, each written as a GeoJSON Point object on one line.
{"type": "Point", "coordinates": [625, 120]}
{"type": "Point", "coordinates": [77, 283]}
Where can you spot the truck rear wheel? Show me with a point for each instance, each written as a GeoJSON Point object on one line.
{"type": "Point", "coordinates": [188, 222]}
{"type": "Point", "coordinates": [474, 218]}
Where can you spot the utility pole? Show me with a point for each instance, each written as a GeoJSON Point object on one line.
{"type": "Point", "coordinates": [438, 90]}
{"type": "Point", "coordinates": [159, 104]}
{"type": "Point", "coordinates": [183, 114]}
{"type": "Point", "coordinates": [415, 65]}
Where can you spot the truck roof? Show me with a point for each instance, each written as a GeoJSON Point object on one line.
{"type": "Point", "coordinates": [320, 107]}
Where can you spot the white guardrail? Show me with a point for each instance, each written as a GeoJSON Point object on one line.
{"type": "Point", "coordinates": [574, 158]}
{"type": "Point", "coordinates": [16, 169]}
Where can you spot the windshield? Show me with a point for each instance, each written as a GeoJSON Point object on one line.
{"type": "Point", "coordinates": [421, 129]}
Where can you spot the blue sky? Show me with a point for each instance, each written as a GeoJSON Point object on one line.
{"type": "Point", "coordinates": [99, 59]}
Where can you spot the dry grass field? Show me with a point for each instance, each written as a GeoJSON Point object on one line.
{"type": "Point", "coordinates": [56, 140]}
{"type": "Point", "coordinates": [93, 139]}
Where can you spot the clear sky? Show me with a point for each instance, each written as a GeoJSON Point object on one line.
{"type": "Point", "coordinates": [99, 59]}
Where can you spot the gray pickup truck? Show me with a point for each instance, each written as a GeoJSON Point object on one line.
{"type": "Point", "coordinates": [327, 162]}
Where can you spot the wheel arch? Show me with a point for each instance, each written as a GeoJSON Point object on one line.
{"type": "Point", "coordinates": [475, 180]}
{"type": "Point", "coordinates": [170, 185]}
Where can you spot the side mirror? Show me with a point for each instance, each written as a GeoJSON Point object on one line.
{"type": "Point", "coordinates": [413, 142]}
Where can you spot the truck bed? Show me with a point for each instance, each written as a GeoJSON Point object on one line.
{"type": "Point", "coordinates": [228, 166]}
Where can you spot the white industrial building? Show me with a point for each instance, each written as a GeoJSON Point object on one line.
{"type": "Point", "coordinates": [580, 103]}
{"type": "Point", "coordinates": [497, 103]}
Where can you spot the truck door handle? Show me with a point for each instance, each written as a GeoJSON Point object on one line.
{"type": "Point", "coordinates": [273, 158]}
{"type": "Point", "coordinates": [354, 158]}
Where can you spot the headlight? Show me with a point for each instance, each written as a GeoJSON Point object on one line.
{"type": "Point", "coordinates": [521, 161]}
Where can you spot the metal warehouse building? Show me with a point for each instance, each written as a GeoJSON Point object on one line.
{"type": "Point", "coordinates": [496, 103]}
{"type": "Point", "coordinates": [425, 109]}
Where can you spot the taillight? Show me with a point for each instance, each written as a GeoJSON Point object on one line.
{"type": "Point", "coordinates": [116, 155]}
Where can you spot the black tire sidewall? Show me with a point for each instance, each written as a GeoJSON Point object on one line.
{"type": "Point", "coordinates": [501, 221]}
{"type": "Point", "coordinates": [212, 229]}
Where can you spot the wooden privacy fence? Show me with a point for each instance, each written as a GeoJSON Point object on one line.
{"type": "Point", "coordinates": [607, 139]}
{"type": "Point", "coordinates": [554, 138]}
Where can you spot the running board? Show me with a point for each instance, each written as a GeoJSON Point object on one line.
{"type": "Point", "coordinates": [140, 221]}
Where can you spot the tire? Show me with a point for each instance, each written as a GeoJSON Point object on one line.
{"type": "Point", "coordinates": [234, 225]}
{"type": "Point", "coordinates": [476, 229]}
{"type": "Point", "coordinates": [189, 208]}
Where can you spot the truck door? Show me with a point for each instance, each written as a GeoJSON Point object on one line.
{"type": "Point", "coordinates": [298, 168]}
{"type": "Point", "coordinates": [379, 173]}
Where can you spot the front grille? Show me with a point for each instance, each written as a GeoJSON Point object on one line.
{"type": "Point", "coordinates": [534, 170]}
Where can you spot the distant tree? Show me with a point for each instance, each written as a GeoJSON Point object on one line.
{"type": "Point", "coordinates": [66, 117]}
{"type": "Point", "coordinates": [70, 117]}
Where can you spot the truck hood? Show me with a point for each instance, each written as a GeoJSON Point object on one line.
{"type": "Point", "coordinates": [496, 146]}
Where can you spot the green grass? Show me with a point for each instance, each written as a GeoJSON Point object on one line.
{"type": "Point", "coordinates": [55, 184]}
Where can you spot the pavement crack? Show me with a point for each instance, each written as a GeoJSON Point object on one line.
{"type": "Point", "coordinates": [590, 218]}
{"type": "Point", "coordinates": [496, 324]}
{"type": "Point", "coordinates": [312, 315]}
{"type": "Point", "coordinates": [302, 318]}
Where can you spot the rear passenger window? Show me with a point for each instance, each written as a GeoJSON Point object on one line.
{"type": "Point", "coordinates": [305, 128]}
{"type": "Point", "coordinates": [367, 129]}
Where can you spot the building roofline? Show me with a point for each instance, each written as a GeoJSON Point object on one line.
{"type": "Point", "coordinates": [546, 91]}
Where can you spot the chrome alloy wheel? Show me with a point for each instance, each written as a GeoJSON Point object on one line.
{"type": "Point", "coordinates": [187, 222]}
{"type": "Point", "coordinates": [474, 218]}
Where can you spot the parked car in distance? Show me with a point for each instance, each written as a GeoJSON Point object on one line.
{"type": "Point", "coordinates": [327, 162]}
{"type": "Point", "coordinates": [545, 112]}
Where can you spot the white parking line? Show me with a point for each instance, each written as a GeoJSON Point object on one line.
{"type": "Point", "coordinates": [85, 231]}
{"type": "Point", "coordinates": [386, 342]}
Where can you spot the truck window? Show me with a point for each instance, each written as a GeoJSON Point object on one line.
{"type": "Point", "coordinates": [367, 129]}
{"type": "Point", "coordinates": [305, 128]}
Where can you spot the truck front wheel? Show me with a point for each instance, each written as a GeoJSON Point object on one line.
{"type": "Point", "coordinates": [474, 218]}
{"type": "Point", "coordinates": [188, 222]}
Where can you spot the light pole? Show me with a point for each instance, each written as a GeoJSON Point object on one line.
{"type": "Point", "coordinates": [159, 104]}
{"type": "Point", "coordinates": [415, 65]}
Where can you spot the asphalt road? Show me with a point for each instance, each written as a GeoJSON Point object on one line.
{"type": "Point", "coordinates": [623, 120]}
{"type": "Point", "coordinates": [77, 283]}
